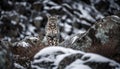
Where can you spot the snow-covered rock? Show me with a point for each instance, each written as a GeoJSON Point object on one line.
{"type": "Point", "coordinates": [66, 58]}
{"type": "Point", "coordinates": [102, 38]}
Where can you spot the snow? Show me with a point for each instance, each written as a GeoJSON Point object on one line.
{"type": "Point", "coordinates": [56, 7]}
{"type": "Point", "coordinates": [69, 20]}
{"type": "Point", "coordinates": [31, 38]}
{"type": "Point", "coordinates": [64, 4]}
{"type": "Point", "coordinates": [53, 49]}
{"type": "Point", "coordinates": [74, 38]}
{"type": "Point", "coordinates": [86, 23]}
{"type": "Point", "coordinates": [38, 18]}
{"type": "Point", "coordinates": [23, 44]}
{"type": "Point", "coordinates": [99, 16]}
{"type": "Point", "coordinates": [9, 2]}
{"type": "Point", "coordinates": [85, 13]}
{"type": "Point", "coordinates": [31, 28]}
{"type": "Point", "coordinates": [46, 7]}
{"type": "Point", "coordinates": [6, 38]}
{"type": "Point", "coordinates": [76, 31]}
{"type": "Point", "coordinates": [67, 27]}
{"type": "Point", "coordinates": [78, 64]}
{"type": "Point", "coordinates": [64, 35]}
{"type": "Point", "coordinates": [22, 36]}
{"type": "Point", "coordinates": [23, 17]}
{"type": "Point", "coordinates": [13, 22]}
{"type": "Point", "coordinates": [64, 17]}
{"type": "Point", "coordinates": [115, 19]}
{"type": "Point", "coordinates": [28, 33]}
{"type": "Point", "coordinates": [78, 67]}
{"type": "Point", "coordinates": [21, 3]}
{"type": "Point", "coordinates": [61, 24]}
{"type": "Point", "coordinates": [18, 66]}
{"type": "Point", "coordinates": [77, 13]}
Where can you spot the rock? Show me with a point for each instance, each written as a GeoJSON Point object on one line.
{"type": "Point", "coordinates": [65, 58]}
{"type": "Point", "coordinates": [6, 57]}
{"type": "Point", "coordinates": [10, 28]}
{"type": "Point", "coordinates": [37, 6]}
{"type": "Point", "coordinates": [37, 21]}
{"type": "Point", "coordinates": [102, 38]}
{"type": "Point", "coordinates": [6, 5]}
{"type": "Point", "coordinates": [23, 8]}
{"type": "Point", "coordinates": [105, 38]}
{"type": "Point", "coordinates": [68, 60]}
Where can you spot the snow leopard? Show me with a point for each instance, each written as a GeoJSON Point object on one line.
{"type": "Point", "coordinates": [52, 31]}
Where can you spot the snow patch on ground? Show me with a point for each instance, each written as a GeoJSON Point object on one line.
{"type": "Point", "coordinates": [23, 44]}
{"type": "Point", "coordinates": [18, 66]}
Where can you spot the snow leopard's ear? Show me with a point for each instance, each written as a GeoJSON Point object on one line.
{"type": "Point", "coordinates": [48, 16]}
